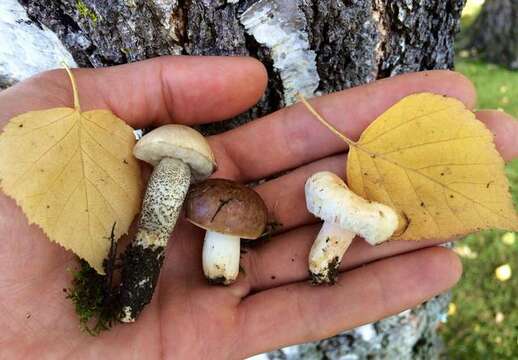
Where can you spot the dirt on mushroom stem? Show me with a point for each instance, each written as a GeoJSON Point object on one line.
{"type": "Point", "coordinates": [220, 280]}
{"type": "Point", "coordinates": [140, 273]}
{"type": "Point", "coordinates": [328, 277]}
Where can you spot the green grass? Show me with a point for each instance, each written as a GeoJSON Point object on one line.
{"type": "Point", "coordinates": [483, 321]}
{"type": "Point", "coordinates": [497, 87]}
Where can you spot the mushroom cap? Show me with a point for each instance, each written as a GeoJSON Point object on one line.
{"type": "Point", "coordinates": [226, 207]}
{"type": "Point", "coordinates": [329, 198]}
{"type": "Point", "coordinates": [178, 142]}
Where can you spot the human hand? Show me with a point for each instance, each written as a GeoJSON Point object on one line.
{"type": "Point", "coordinates": [272, 304]}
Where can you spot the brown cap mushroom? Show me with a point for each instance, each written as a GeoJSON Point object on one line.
{"type": "Point", "coordinates": [180, 155]}
{"type": "Point", "coordinates": [228, 211]}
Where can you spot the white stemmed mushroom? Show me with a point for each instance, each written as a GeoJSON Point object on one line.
{"type": "Point", "coordinates": [345, 215]}
{"type": "Point", "coordinates": [180, 155]}
{"type": "Point", "coordinates": [228, 211]}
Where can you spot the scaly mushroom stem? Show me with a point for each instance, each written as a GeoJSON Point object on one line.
{"type": "Point", "coordinates": [220, 257]}
{"type": "Point", "coordinates": [142, 260]}
{"type": "Point", "coordinates": [327, 251]}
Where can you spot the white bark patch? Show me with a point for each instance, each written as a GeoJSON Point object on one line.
{"type": "Point", "coordinates": [26, 49]}
{"type": "Point", "coordinates": [169, 13]}
{"type": "Point", "coordinates": [367, 332]}
{"type": "Point", "coordinates": [165, 9]}
{"type": "Point", "coordinates": [281, 26]}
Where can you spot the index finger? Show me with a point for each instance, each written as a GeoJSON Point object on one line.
{"type": "Point", "coordinates": [180, 89]}
{"type": "Point", "coordinates": [292, 137]}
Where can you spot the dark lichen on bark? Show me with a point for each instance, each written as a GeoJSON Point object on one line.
{"type": "Point", "coordinates": [123, 31]}
{"type": "Point", "coordinates": [420, 35]}
{"type": "Point", "coordinates": [343, 35]}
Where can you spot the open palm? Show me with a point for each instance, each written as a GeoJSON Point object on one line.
{"type": "Point", "coordinates": [272, 304]}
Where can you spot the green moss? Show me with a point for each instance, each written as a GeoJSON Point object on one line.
{"type": "Point", "coordinates": [94, 303]}
{"type": "Point", "coordinates": [95, 298]}
{"type": "Point", "coordinates": [86, 12]}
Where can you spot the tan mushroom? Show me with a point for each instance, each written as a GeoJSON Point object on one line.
{"type": "Point", "coordinates": [228, 211]}
{"type": "Point", "coordinates": [180, 156]}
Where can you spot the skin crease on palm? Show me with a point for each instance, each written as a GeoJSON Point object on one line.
{"type": "Point", "coordinates": [271, 305]}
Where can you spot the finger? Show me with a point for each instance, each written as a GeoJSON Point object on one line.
{"type": "Point", "coordinates": [284, 259]}
{"type": "Point", "coordinates": [180, 89]}
{"type": "Point", "coordinates": [292, 137]}
{"type": "Point", "coordinates": [284, 196]}
{"type": "Point", "coordinates": [505, 128]}
{"type": "Point", "coordinates": [300, 312]}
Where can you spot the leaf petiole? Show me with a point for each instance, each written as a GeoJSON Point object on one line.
{"type": "Point", "coordinates": [77, 105]}
{"type": "Point", "coordinates": [325, 122]}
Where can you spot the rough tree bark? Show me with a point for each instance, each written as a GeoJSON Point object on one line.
{"type": "Point", "coordinates": [494, 34]}
{"type": "Point", "coordinates": [308, 46]}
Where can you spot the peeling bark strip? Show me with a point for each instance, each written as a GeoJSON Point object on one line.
{"type": "Point", "coordinates": [281, 26]}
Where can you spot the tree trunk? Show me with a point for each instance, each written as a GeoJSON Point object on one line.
{"type": "Point", "coordinates": [494, 34]}
{"type": "Point", "coordinates": [308, 46]}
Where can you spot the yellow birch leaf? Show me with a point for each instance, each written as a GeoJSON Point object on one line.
{"type": "Point", "coordinates": [73, 174]}
{"type": "Point", "coordinates": [436, 164]}
{"type": "Point", "coordinates": [431, 160]}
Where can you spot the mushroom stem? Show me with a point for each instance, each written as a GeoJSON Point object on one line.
{"type": "Point", "coordinates": [327, 251]}
{"type": "Point", "coordinates": [220, 257]}
{"type": "Point", "coordinates": [142, 260]}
